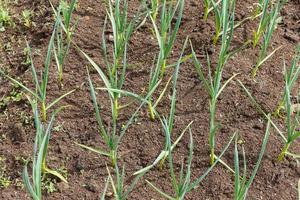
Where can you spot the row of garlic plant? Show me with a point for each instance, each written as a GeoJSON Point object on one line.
{"type": "Point", "coordinates": [38, 100]}
{"type": "Point", "coordinates": [213, 82]}
{"type": "Point", "coordinates": [269, 14]}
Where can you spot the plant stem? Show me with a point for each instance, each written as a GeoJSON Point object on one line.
{"type": "Point", "coordinates": [60, 75]}
{"type": "Point", "coordinates": [115, 67]}
{"type": "Point", "coordinates": [44, 166]}
{"type": "Point", "coordinates": [44, 112]}
{"type": "Point", "coordinates": [212, 156]}
{"type": "Point", "coordinates": [254, 71]}
{"type": "Point", "coordinates": [283, 151]}
{"type": "Point", "coordinates": [69, 35]}
{"type": "Point", "coordinates": [162, 163]}
{"type": "Point", "coordinates": [216, 37]}
{"type": "Point", "coordinates": [212, 129]}
{"type": "Point", "coordinates": [279, 108]}
{"type": "Point", "coordinates": [115, 106]}
{"type": "Point", "coordinates": [151, 111]}
{"type": "Point", "coordinates": [113, 156]}
{"type": "Point", "coordinates": [163, 68]}
{"type": "Point", "coordinates": [205, 14]}
{"type": "Point", "coordinates": [256, 36]}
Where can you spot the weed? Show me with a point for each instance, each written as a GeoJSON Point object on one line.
{"type": "Point", "coordinates": [5, 17]}
{"type": "Point", "coordinates": [5, 181]}
{"type": "Point", "coordinates": [27, 18]}
{"type": "Point", "coordinates": [48, 184]}
{"type": "Point", "coordinates": [26, 53]}
{"type": "Point", "coordinates": [13, 96]}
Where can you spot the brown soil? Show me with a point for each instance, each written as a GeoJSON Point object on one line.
{"type": "Point", "coordinates": [86, 171]}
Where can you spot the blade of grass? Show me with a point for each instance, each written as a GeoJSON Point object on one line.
{"type": "Point", "coordinates": [98, 151]}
